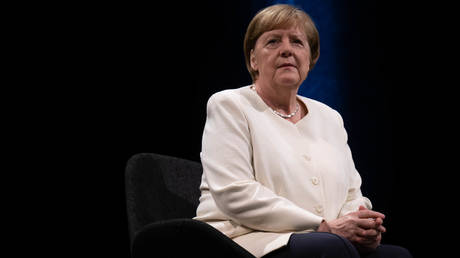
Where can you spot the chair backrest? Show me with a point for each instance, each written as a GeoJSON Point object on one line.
{"type": "Point", "coordinates": [159, 188]}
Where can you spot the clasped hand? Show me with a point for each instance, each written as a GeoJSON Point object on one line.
{"type": "Point", "coordinates": [363, 228]}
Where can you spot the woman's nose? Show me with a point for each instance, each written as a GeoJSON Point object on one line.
{"type": "Point", "coordinates": [285, 49]}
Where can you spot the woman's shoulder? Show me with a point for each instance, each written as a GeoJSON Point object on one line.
{"type": "Point", "coordinates": [318, 105]}
{"type": "Point", "coordinates": [320, 108]}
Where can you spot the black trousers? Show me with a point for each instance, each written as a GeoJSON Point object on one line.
{"type": "Point", "coordinates": [327, 245]}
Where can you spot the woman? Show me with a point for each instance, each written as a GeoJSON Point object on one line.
{"type": "Point", "coordinates": [276, 165]}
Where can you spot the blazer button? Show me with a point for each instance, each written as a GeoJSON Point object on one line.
{"type": "Point", "coordinates": [306, 157]}
{"type": "Point", "coordinates": [319, 209]}
{"type": "Point", "coordinates": [314, 180]}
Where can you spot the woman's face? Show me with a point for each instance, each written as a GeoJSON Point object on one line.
{"type": "Point", "coordinates": [282, 56]}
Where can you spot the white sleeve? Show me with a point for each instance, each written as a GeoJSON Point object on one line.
{"type": "Point", "coordinates": [354, 196]}
{"type": "Point", "coordinates": [227, 163]}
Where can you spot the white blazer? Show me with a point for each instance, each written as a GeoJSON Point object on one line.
{"type": "Point", "coordinates": [265, 178]}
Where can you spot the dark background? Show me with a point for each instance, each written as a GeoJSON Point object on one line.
{"type": "Point", "coordinates": [131, 78]}
{"type": "Point", "coordinates": [155, 67]}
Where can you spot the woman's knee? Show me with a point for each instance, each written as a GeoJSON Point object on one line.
{"type": "Point", "coordinates": [390, 251]}
{"type": "Point", "coordinates": [320, 244]}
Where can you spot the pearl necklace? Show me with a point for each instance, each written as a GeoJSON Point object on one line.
{"type": "Point", "coordinates": [280, 114]}
{"type": "Point", "coordinates": [289, 115]}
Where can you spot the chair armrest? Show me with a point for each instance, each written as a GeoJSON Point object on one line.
{"type": "Point", "coordinates": [184, 238]}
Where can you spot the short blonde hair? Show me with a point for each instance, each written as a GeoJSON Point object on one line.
{"type": "Point", "coordinates": [280, 16]}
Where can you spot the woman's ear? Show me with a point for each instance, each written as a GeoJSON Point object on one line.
{"type": "Point", "coordinates": [253, 61]}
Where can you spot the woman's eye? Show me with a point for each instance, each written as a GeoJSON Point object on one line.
{"type": "Point", "coordinates": [298, 41]}
{"type": "Point", "coordinates": [272, 43]}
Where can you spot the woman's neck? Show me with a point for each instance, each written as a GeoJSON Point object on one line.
{"type": "Point", "coordinates": [279, 97]}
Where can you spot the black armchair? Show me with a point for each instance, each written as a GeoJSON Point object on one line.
{"type": "Point", "coordinates": [162, 194]}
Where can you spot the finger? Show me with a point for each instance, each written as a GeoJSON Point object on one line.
{"type": "Point", "coordinates": [370, 224]}
{"type": "Point", "coordinates": [368, 233]}
{"type": "Point", "coordinates": [367, 223]}
{"type": "Point", "coordinates": [378, 225]}
{"type": "Point", "coordinates": [370, 214]}
{"type": "Point", "coordinates": [363, 240]}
